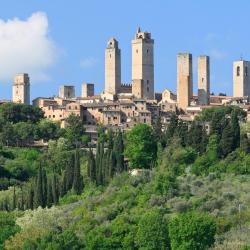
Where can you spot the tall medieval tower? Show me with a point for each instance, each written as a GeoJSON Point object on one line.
{"type": "Point", "coordinates": [184, 80]}
{"type": "Point", "coordinates": [241, 78]}
{"type": "Point", "coordinates": [203, 80]}
{"type": "Point", "coordinates": [21, 89]}
{"type": "Point", "coordinates": [143, 62]}
{"type": "Point", "coordinates": [112, 67]}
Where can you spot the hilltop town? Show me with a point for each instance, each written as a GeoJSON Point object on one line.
{"type": "Point", "coordinates": [124, 105]}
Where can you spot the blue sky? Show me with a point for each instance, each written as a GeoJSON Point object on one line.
{"type": "Point", "coordinates": [68, 39]}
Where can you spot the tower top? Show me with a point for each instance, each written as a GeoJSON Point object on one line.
{"type": "Point", "coordinates": [112, 43]}
{"type": "Point", "coordinates": [142, 35]}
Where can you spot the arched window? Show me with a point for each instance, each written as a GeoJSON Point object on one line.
{"type": "Point", "coordinates": [238, 71]}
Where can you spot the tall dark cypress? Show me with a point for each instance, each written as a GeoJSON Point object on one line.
{"type": "Point", "coordinates": [14, 198]}
{"type": "Point", "coordinates": [30, 204]}
{"type": "Point", "coordinates": [119, 153]}
{"type": "Point", "coordinates": [78, 180]}
{"type": "Point", "coordinates": [99, 163]}
{"type": "Point", "coordinates": [39, 188]}
{"type": "Point", "coordinates": [44, 185]}
{"type": "Point", "coordinates": [235, 128]}
{"type": "Point", "coordinates": [91, 166]}
{"type": "Point", "coordinates": [69, 174]}
{"type": "Point", "coordinates": [49, 193]}
{"type": "Point", "coordinates": [55, 191]}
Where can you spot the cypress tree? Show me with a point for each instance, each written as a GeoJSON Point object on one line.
{"type": "Point", "coordinates": [44, 185]}
{"type": "Point", "coordinates": [14, 198]}
{"type": "Point", "coordinates": [118, 154]}
{"type": "Point", "coordinates": [245, 143]}
{"type": "Point", "coordinates": [91, 166]}
{"type": "Point", "coordinates": [31, 197]}
{"type": "Point", "coordinates": [69, 174]}
{"type": "Point", "coordinates": [49, 193]}
{"type": "Point", "coordinates": [78, 180]}
{"type": "Point", "coordinates": [171, 127]}
{"type": "Point", "coordinates": [39, 188]}
{"type": "Point", "coordinates": [55, 193]}
{"type": "Point", "coordinates": [182, 132]}
{"type": "Point", "coordinates": [235, 128]}
{"type": "Point", "coordinates": [227, 140]}
{"type": "Point", "coordinates": [99, 163]}
{"type": "Point", "coordinates": [112, 164]}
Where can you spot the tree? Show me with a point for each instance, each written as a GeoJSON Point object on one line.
{"type": "Point", "coordinates": [171, 127]}
{"type": "Point", "coordinates": [77, 178]}
{"type": "Point", "coordinates": [245, 143]}
{"type": "Point", "coordinates": [227, 140]}
{"type": "Point", "coordinates": [140, 146]}
{"type": "Point", "coordinates": [74, 129]}
{"type": "Point", "coordinates": [39, 199]}
{"type": "Point", "coordinates": [235, 128]}
{"type": "Point", "coordinates": [47, 130]}
{"type": "Point", "coordinates": [91, 166]}
{"type": "Point", "coordinates": [192, 231]}
{"type": "Point", "coordinates": [118, 151]}
{"type": "Point", "coordinates": [8, 227]}
{"type": "Point", "coordinates": [152, 232]}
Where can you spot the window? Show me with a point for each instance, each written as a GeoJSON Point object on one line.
{"type": "Point", "coordinates": [148, 89]}
{"type": "Point", "coordinates": [137, 51]}
{"type": "Point", "coordinates": [147, 51]}
{"type": "Point", "coordinates": [53, 116]}
{"type": "Point", "coordinates": [69, 107]}
{"type": "Point", "coordinates": [202, 79]}
{"type": "Point", "coordinates": [246, 71]}
{"type": "Point", "coordinates": [238, 71]}
{"type": "Point", "coordinates": [109, 55]}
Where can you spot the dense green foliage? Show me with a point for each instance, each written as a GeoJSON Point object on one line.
{"type": "Point", "coordinates": [192, 191]}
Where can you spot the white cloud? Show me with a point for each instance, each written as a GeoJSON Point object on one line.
{"type": "Point", "coordinates": [88, 62]}
{"type": "Point", "coordinates": [26, 47]}
{"type": "Point", "coordinates": [217, 54]}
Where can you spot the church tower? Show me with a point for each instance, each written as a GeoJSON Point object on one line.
{"type": "Point", "coordinates": [112, 67]}
{"type": "Point", "coordinates": [21, 89]}
{"type": "Point", "coordinates": [143, 62]}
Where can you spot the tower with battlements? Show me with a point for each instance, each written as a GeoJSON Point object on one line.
{"type": "Point", "coordinates": [143, 63]}
{"type": "Point", "coordinates": [112, 67]}
{"type": "Point", "coordinates": [203, 80]}
{"type": "Point", "coordinates": [184, 80]}
{"type": "Point", "coordinates": [241, 78]}
{"type": "Point", "coordinates": [21, 89]}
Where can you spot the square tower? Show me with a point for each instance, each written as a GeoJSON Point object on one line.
{"type": "Point", "coordinates": [88, 89]}
{"type": "Point", "coordinates": [184, 80]}
{"type": "Point", "coordinates": [21, 89]}
{"type": "Point", "coordinates": [67, 91]}
{"type": "Point", "coordinates": [241, 78]}
{"type": "Point", "coordinates": [112, 67]}
{"type": "Point", "coordinates": [143, 62]}
{"type": "Point", "coordinates": [203, 80]}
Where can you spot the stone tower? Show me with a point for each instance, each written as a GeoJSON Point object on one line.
{"type": "Point", "coordinates": [67, 91]}
{"type": "Point", "coordinates": [241, 78]}
{"type": "Point", "coordinates": [184, 80]}
{"type": "Point", "coordinates": [203, 80]}
{"type": "Point", "coordinates": [21, 89]}
{"type": "Point", "coordinates": [88, 89]}
{"type": "Point", "coordinates": [143, 62]}
{"type": "Point", "coordinates": [112, 67]}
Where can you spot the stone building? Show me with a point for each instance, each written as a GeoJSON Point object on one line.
{"type": "Point", "coordinates": [67, 91]}
{"type": "Point", "coordinates": [143, 63]}
{"type": "Point", "coordinates": [184, 80]}
{"type": "Point", "coordinates": [88, 90]}
{"type": "Point", "coordinates": [203, 80]}
{"type": "Point", "coordinates": [21, 89]}
{"type": "Point", "coordinates": [241, 78]}
{"type": "Point", "coordinates": [112, 67]}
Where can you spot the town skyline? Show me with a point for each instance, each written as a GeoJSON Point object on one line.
{"type": "Point", "coordinates": [82, 59]}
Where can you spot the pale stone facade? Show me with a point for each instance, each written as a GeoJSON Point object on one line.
{"type": "Point", "coordinates": [137, 88]}
{"type": "Point", "coordinates": [112, 67]}
{"type": "Point", "coordinates": [67, 91]}
{"type": "Point", "coordinates": [241, 78]}
{"type": "Point", "coordinates": [203, 80]}
{"type": "Point", "coordinates": [143, 62]}
{"type": "Point", "coordinates": [184, 80]}
{"type": "Point", "coordinates": [21, 89]}
{"type": "Point", "coordinates": [88, 90]}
